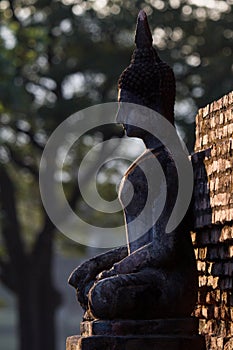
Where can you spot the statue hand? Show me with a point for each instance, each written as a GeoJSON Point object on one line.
{"type": "Point", "coordinates": [85, 275]}
{"type": "Point", "coordinates": [106, 274]}
{"type": "Point", "coordinates": [84, 287]}
{"type": "Point", "coordinates": [141, 258]}
{"type": "Point", "coordinates": [80, 276]}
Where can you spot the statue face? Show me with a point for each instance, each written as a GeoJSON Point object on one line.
{"type": "Point", "coordinates": [129, 115]}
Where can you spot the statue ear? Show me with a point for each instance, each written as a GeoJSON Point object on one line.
{"type": "Point", "coordinates": [143, 37]}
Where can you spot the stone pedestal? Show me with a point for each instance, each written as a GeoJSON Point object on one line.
{"type": "Point", "coordinates": [163, 334]}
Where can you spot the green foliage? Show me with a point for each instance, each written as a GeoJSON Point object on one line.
{"type": "Point", "coordinates": [58, 57]}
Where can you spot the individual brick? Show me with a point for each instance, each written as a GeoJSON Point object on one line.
{"type": "Point", "coordinates": [216, 312]}
{"type": "Point", "coordinates": [224, 298]}
{"type": "Point", "coordinates": [226, 283]}
{"type": "Point", "coordinates": [226, 233]}
{"type": "Point", "coordinates": [215, 235]}
{"type": "Point", "coordinates": [225, 101]}
{"type": "Point", "coordinates": [202, 281]}
{"type": "Point", "coordinates": [229, 344]}
{"type": "Point", "coordinates": [201, 266]}
{"type": "Point", "coordinates": [202, 326]}
{"type": "Point", "coordinates": [193, 237]}
{"type": "Point", "coordinates": [219, 343]}
{"type": "Point", "coordinates": [212, 343]}
{"type": "Point", "coordinates": [202, 252]}
{"type": "Point", "coordinates": [228, 268]}
{"type": "Point", "coordinates": [210, 281]}
{"type": "Point", "coordinates": [203, 238]}
{"type": "Point", "coordinates": [213, 253]}
{"type": "Point", "coordinates": [215, 282]}
{"type": "Point", "coordinates": [197, 312]}
{"type": "Point", "coordinates": [230, 98]}
{"type": "Point", "coordinates": [217, 269]}
{"type": "Point", "coordinates": [231, 251]}
{"type": "Point", "coordinates": [204, 312]}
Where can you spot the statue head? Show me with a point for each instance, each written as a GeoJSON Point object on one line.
{"type": "Point", "coordinates": [147, 81]}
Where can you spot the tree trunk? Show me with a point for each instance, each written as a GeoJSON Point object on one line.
{"type": "Point", "coordinates": [36, 307]}
{"type": "Point", "coordinates": [28, 275]}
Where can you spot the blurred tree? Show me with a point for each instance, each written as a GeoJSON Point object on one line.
{"type": "Point", "coordinates": [61, 56]}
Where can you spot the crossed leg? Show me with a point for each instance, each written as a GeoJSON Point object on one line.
{"type": "Point", "coordinates": [132, 296]}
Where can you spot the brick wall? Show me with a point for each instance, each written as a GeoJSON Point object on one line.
{"type": "Point", "coordinates": [213, 211]}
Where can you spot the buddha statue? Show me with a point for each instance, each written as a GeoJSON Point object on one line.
{"type": "Point", "coordinates": [155, 275]}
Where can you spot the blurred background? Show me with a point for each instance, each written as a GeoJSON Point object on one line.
{"type": "Point", "coordinates": [58, 57]}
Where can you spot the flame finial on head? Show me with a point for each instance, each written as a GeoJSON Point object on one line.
{"type": "Point", "coordinates": [148, 81]}
{"type": "Point", "coordinates": [143, 37]}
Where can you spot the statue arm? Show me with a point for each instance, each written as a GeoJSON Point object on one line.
{"type": "Point", "coordinates": [152, 254]}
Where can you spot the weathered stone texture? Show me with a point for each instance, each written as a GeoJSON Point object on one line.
{"type": "Point", "coordinates": [138, 343]}
{"type": "Point", "coordinates": [161, 334]}
{"type": "Point", "coordinates": [187, 327]}
{"type": "Point", "coordinates": [72, 342]}
{"type": "Point", "coordinates": [213, 212]}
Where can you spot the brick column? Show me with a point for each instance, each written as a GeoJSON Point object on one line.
{"type": "Point", "coordinates": [213, 208]}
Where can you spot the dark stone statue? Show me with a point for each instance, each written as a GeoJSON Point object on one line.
{"type": "Point", "coordinates": [155, 276]}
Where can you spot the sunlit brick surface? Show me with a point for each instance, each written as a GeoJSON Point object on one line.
{"type": "Point", "coordinates": [213, 212]}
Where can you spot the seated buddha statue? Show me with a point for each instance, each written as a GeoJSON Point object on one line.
{"type": "Point", "coordinates": [155, 275]}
